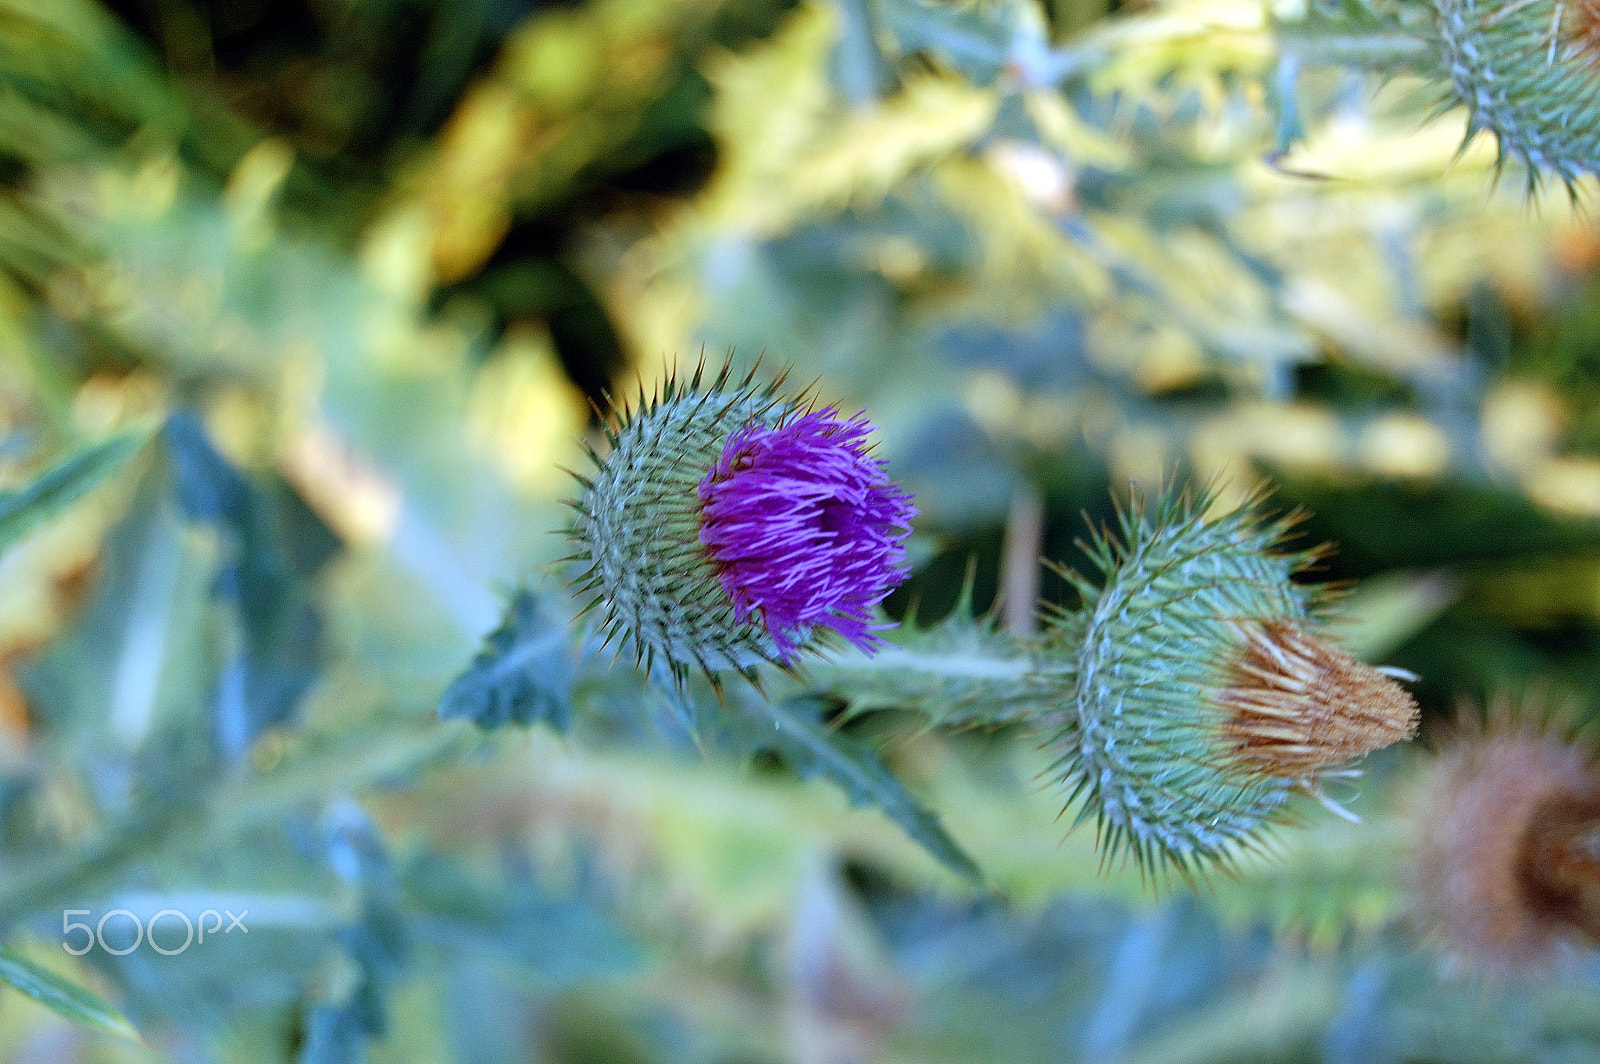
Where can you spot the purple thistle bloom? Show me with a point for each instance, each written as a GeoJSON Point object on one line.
{"type": "Point", "coordinates": [805, 528]}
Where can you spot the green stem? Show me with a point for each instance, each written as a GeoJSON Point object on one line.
{"type": "Point", "coordinates": [942, 666]}
{"type": "Point", "coordinates": [1377, 48]}
{"type": "Point", "coordinates": [976, 682]}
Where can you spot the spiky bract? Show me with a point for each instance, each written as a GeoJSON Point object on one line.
{"type": "Point", "coordinates": [638, 526]}
{"type": "Point", "coordinates": [1529, 72]}
{"type": "Point", "coordinates": [1201, 694]}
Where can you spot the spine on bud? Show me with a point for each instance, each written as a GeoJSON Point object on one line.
{"type": "Point", "coordinates": [1529, 72]}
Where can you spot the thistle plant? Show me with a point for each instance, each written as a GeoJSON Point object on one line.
{"type": "Point", "coordinates": [1507, 828]}
{"type": "Point", "coordinates": [1193, 692]}
{"type": "Point", "coordinates": [729, 524]}
{"type": "Point", "coordinates": [1529, 71]}
{"type": "Point", "coordinates": [1203, 690]}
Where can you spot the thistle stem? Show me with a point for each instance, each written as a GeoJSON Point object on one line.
{"type": "Point", "coordinates": [1350, 49]}
{"type": "Point", "coordinates": [959, 686]}
{"type": "Point", "coordinates": [944, 666]}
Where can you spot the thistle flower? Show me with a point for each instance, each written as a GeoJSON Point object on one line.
{"type": "Point", "coordinates": [1529, 71]}
{"type": "Point", "coordinates": [804, 528]}
{"type": "Point", "coordinates": [1202, 692]}
{"type": "Point", "coordinates": [1508, 847]}
{"type": "Point", "coordinates": [730, 525]}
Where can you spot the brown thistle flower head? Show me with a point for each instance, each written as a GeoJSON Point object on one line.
{"type": "Point", "coordinates": [1508, 849]}
{"type": "Point", "coordinates": [1300, 706]}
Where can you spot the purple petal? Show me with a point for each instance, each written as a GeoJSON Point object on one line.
{"type": "Point", "coordinates": [805, 528]}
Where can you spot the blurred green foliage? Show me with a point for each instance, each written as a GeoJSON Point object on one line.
{"type": "Point", "coordinates": [364, 260]}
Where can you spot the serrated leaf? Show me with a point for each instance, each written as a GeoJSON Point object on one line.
{"type": "Point", "coordinates": [24, 509]}
{"type": "Point", "coordinates": [63, 997]}
{"type": "Point", "coordinates": [273, 545]}
{"type": "Point", "coordinates": [523, 674]}
{"type": "Point", "coordinates": [796, 730]}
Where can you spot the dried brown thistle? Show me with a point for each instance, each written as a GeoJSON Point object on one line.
{"type": "Point", "coordinates": [1508, 848]}
{"type": "Point", "coordinates": [1301, 706]}
{"type": "Point", "coordinates": [1559, 867]}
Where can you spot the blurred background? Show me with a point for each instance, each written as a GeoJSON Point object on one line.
{"type": "Point", "coordinates": [348, 274]}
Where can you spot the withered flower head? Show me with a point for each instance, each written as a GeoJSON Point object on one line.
{"type": "Point", "coordinates": [1301, 706]}
{"type": "Point", "coordinates": [1201, 693]}
{"type": "Point", "coordinates": [1508, 844]}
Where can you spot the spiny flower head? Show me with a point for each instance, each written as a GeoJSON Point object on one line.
{"type": "Point", "coordinates": [730, 525]}
{"type": "Point", "coordinates": [1529, 72]}
{"type": "Point", "coordinates": [1508, 846]}
{"type": "Point", "coordinates": [1202, 692]}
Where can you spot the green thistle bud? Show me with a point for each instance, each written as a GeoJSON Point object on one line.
{"type": "Point", "coordinates": [1529, 70]}
{"type": "Point", "coordinates": [1201, 693]}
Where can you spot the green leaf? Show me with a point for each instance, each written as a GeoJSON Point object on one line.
{"type": "Point", "coordinates": [24, 509]}
{"type": "Point", "coordinates": [558, 934]}
{"type": "Point", "coordinates": [274, 546]}
{"type": "Point", "coordinates": [1383, 612]}
{"type": "Point", "coordinates": [63, 997]}
{"type": "Point", "coordinates": [1329, 883]}
{"type": "Point", "coordinates": [524, 673]}
{"type": "Point", "coordinates": [975, 41]}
